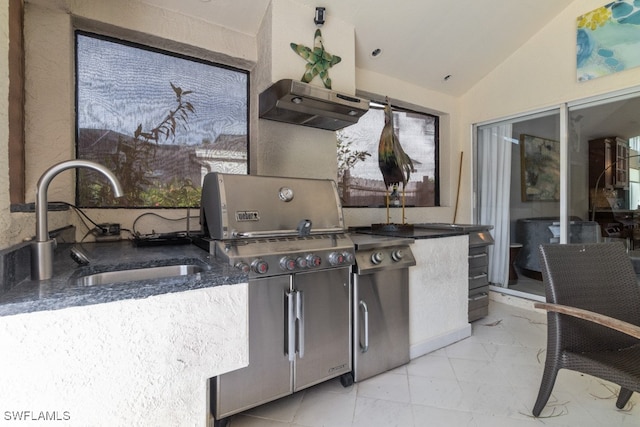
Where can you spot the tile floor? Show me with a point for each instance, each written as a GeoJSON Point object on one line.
{"type": "Point", "coordinates": [529, 286]}
{"type": "Point", "coordinates": [488, 379]}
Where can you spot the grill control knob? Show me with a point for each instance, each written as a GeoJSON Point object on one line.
{"type": "Point", "coordinates": [336, 258]}
{"type": "Point", "coordinates": [242, 266]}
{"type": "Point", "coordinates": [348, 257]}
{"type": "Point", "coordinates": [397, 255]}
{"type": "Point", "coordinates": [287, 263]}
{"type": "Point", "coordinates": [259, 266]}
{"type": "Point", "coordinates": [377, 257]}
{"type": "Point", "coordinates": [301, 262]}
{"type": "Point", "coordinates": [313, 261]}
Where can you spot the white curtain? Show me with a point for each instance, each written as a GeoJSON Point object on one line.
{"type": "Point", "coordinates": [494, 173]}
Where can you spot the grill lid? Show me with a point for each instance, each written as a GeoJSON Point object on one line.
{"type": "Point", "coordinates": [251, 206]}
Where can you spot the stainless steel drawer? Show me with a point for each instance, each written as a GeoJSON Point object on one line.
{"type": "Point", "coordinates": [480, 290]}
{"type": "Point", "coordinates": [478, 260]}
{"type": "Point", "coordinates": [476, 271]}
{"type": "Point", "coordinates": [477, 251]}
{"type": "Point", "coordinates": [478, 281]}
{"type": "Point", "coordinates": [478, 306]}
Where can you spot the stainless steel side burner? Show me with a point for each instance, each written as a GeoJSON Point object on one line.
{"type": "Point", "coordinates": [380, 280]}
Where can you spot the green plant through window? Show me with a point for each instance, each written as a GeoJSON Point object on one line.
{"type": "Point", "coordinates": [359, 178]}
{"type": "Point", "coordinates": [159, 121]}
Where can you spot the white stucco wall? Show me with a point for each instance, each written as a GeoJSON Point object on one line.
{"type": "Point", "coordinates": [438, 294]}
{"type": "Point", "coordinates": [133, 362]}
{"type": "Point", "coordinates": [292, 22]}
{"type": "Point", "coordinates": [283, 149]}
{"type": "Point", "coordinates": [541, 74]}
{"type": "Point", "coordinates": [49, 86]}
{"type": "Point", "coordinates": [451, 145]}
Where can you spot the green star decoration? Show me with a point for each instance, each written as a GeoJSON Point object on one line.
{"type": "Point", "coordinates": [318, 60]}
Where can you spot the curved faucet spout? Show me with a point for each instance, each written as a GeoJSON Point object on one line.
{"type": "Point", "coordinates": [42, 248]}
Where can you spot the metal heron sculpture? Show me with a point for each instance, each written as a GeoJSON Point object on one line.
{"type": "Point", "coordinates": [396, 166]}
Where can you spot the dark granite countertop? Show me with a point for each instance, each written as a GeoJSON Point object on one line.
{"type": "Point", "coordinates": [62, 291]}
{"type": "Point", "coordinates": [417, 232]}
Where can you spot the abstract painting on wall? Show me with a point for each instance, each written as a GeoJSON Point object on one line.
{"type": "Point", "coordinates": [540, 169]}
{"type": "Point", "coordinates": [608, 39]}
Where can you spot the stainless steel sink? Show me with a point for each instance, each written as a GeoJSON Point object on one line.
{"type": "Point", "coordinates": [136, 274]}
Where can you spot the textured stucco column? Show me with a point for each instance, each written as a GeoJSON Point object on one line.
{"type": "Point", "coordinates": [132, 362]}
{"type": "Point", "coordinates": [438, 294]}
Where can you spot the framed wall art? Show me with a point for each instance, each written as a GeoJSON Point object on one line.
{"type": "Point", "coordinates": [540, 169]}
{"type": "Point", "coordinates": [608, 39]}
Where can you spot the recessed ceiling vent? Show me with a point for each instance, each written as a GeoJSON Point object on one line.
{"type": "Point", "coordinates": [299, 103]}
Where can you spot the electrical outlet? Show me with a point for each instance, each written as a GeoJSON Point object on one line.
{"type": "Point", "coordinates": [106, 232]}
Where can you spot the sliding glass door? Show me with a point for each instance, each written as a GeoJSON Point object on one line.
{"type": "Point", "coordinates": [568, 174]}
{"type": "Point", "coordinates": [518, 191]}
{"type": "Point", "coordinates": [603, 138]}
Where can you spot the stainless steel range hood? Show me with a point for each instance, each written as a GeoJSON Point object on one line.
{"type": "Point", "coordinates": [303, 104]}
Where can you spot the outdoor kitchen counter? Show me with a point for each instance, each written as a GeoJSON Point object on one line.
{"type": "Point", "coordinates": [427, 230]}
{"type": "Point", "coordinates": [137, 353]}
{"type": "Point", "coordinates": [416, 233]}
{"type": "Point", "coordinates": [62, 291]}
{"type": "Point", "coordinates": [438, 285]}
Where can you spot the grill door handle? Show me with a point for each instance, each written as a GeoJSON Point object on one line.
{"type": "Point", "coordinates": [300, 322]}
{"type": "Point", "coordinates": [365, 310]}
{"type": "Point", "coordinates": [291, 326]}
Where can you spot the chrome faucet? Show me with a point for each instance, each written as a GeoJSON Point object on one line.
{"type": "Point", "coordinates": [42, 248]}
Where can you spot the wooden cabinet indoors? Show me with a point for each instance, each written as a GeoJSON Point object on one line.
{"type": "Point", "coordinates": [602, 153]}
{"type": "Point", "coordinates": [609, 169]}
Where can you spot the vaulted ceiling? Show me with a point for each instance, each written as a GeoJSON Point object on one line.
{"type": "Point", "coordinates": [422, 41]}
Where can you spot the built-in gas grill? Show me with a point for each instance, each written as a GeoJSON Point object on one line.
{"type": "Point", "coordinates": [269, 256]}
{"type": "Point", "coordinates": [270, 225]}
{"type": "Point", "coordinates": [288, 234]}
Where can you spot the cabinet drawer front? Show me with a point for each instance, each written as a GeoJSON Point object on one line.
{"type": "Point", "coordinates": [477, 251]}
{"type": "Point", "coordinates": [474, 272]}
{"type": "Point", "coordinates": [478, 300]}
{"type": "Point", "coordinates": [478, 306]}
{"type": "Point", "coordinates": [477, 281]}
{"type": "Point", "coordinates": [479, 260]}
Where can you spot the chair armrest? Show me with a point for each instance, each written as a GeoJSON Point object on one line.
{"type": "Point", "coordinates": [619, 325]}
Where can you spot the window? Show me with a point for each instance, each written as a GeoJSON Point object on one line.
{"type": "Point", "coordinates": [359, 177]}
{"type": "Point", "coordinates": [634, 173]}
{"type": "Point", "coordinates": [160, 121]}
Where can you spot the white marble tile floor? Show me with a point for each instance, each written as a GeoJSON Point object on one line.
{"type": "Point", "coordinates": [490, 379]}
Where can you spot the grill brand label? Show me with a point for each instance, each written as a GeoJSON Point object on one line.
{"type": "Point", "coordinates": [337, 368]}
{"type": "Point", "coordinates": [247, 216]}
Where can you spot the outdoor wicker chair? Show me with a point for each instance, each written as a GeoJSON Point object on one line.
{"type": "Point", "coordinates": [593, 316]}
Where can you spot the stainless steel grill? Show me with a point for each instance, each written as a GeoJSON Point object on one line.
{"type": "Point", "coordinates": [272, 225]}
{"type": "Point", "coordinates": [285, 255]}
{"type": "Point", "coordinates": [288, 234]}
